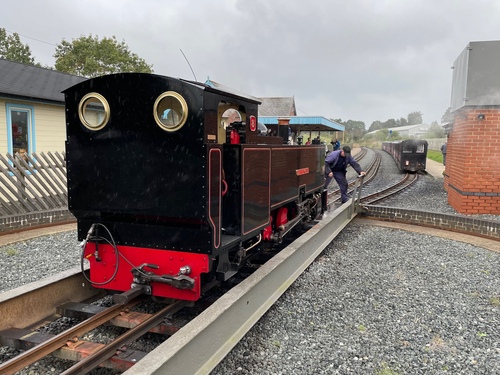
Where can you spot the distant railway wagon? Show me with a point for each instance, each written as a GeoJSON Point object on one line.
{"type": "Point", "coordinates": [410, 155]}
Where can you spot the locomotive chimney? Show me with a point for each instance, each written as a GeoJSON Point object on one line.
{"type": "Point", "coordinates": [283, 120]}
{"type": "Point", "coordinates": [283, 129]}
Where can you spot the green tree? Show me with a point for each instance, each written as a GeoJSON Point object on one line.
{"type": "Point", "coordinates": [415, 118]}
{"type": "Point", "coordinates": [402, 122]}
{"type": "Point", "coordinates": [435, 131]}
{"type": "Point", "coordinates": [90, 57]}
{"type": "Point", "coordinates": [11, 48]}
{"type": "Point", "coordinates": [391, 123]}
{"type": "Point", "coordinates": [447, 117]}
{"type": "Point", "coordinates": [376, 125]}
{"type": "Point", "coordinates": [354, 129]}
{"type": "Point", "coordinates": [382, 135]}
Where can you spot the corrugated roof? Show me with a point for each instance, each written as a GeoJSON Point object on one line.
{"type": "Point", "coordinates": [400, 128]}
{"type": "Point", "coordinates": [31, 82]}
{"type": "Point", "coordinates": [305, 123]}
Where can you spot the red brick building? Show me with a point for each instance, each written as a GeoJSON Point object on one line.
{"type": "Point", "coordinates": [472, 174]}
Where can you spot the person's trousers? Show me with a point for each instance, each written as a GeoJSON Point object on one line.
{"type": "Point", "coordinates": [341, 181]}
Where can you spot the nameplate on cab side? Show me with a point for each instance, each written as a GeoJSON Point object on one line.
{"type": "Point", "coordinates": [301, 171]}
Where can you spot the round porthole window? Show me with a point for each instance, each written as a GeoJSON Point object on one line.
{"type": "Point", "coordinates": [170, 111]}
{"type": "Point", "coordinates": [94, 111]}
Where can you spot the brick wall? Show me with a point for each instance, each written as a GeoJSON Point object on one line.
{"type": "Point", "coordinates": [457, 223]}
{"type": "Point", "coordinates": [472, 174]}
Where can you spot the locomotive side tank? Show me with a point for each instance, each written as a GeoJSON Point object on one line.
{"type": "Point", "coordinates": [170, 190]}
{"type": "Point", "coordinates": [410, 155]}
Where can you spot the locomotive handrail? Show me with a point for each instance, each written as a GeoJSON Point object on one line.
{"type": "Point", "coordinates": [356, 195]}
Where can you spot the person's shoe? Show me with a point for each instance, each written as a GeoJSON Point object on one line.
{"type": "Point", "coordinates": [343, 201]}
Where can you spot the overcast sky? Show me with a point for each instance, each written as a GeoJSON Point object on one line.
{"type": "Point", "coordinates": [362, 60]}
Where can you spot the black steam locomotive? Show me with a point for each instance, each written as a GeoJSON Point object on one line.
{"type": "Point", "coordinates": [410, 155]}
{"type": "Point", "coordinates": [173, 185]}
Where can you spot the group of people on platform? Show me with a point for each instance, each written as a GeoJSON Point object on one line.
{"type": "Point", "coordinates": [317, 141]}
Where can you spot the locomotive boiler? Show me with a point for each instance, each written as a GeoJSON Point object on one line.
{"type": "Point", "coordinates": [173, 185]}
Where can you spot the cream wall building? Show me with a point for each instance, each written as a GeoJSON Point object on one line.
{"type": "Point", "coordinates": [32, 108]}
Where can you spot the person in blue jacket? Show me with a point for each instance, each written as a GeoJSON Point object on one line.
{"type": "Point", "coordinates": [443, 150]}
{"type": "Point", "coordinates": [336, 167]}
{"type": "Point", "coordinates": [336, 145]}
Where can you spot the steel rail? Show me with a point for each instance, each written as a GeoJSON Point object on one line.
{"type": "Point", "coordinates": [34, 354]}
{"type": "Point", "coordinates": [404, 183]}
{"type": "Point", "coordinates": [92, 361]}
{"type": "Point", "coordinates": [42, 296]}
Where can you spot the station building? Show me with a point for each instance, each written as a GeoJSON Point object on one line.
{"type": "Point", "coordinates": [32, 114]}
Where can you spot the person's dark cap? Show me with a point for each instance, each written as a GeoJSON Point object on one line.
{"type": "Point", "coordinates": [347, 151]}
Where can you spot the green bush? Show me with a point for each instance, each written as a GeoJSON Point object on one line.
{"type": "Point", "coordinates": [435, 155]}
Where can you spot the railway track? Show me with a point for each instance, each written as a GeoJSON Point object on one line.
{"type": "Point", "coordinates": [72, 345]}
{"type": "Point", "coordinates": [407, 180]}
{"type": "Point", "coordinates": [67, 339]}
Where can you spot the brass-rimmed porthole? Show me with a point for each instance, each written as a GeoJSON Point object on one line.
{"type": "Point", "coordinates": [170, 111]}
{"type": "Point", "coordinates": [94, 111]}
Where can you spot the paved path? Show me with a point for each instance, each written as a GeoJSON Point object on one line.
{"type": "Point", "coordinates": [434, 168]}
{"type": "Point", "coordinates": [28, 234]}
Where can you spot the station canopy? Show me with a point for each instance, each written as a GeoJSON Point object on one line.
{"type": "Point", "coordinates": [305, 123]}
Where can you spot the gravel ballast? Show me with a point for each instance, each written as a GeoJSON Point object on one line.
{"type": "Point", "coordinates": [384, 301]}
{"type": "Point", "coordinates": [377, 301]}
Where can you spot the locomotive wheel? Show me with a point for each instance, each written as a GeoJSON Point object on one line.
{"type": "Point", "coordinates": [281, 217]}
